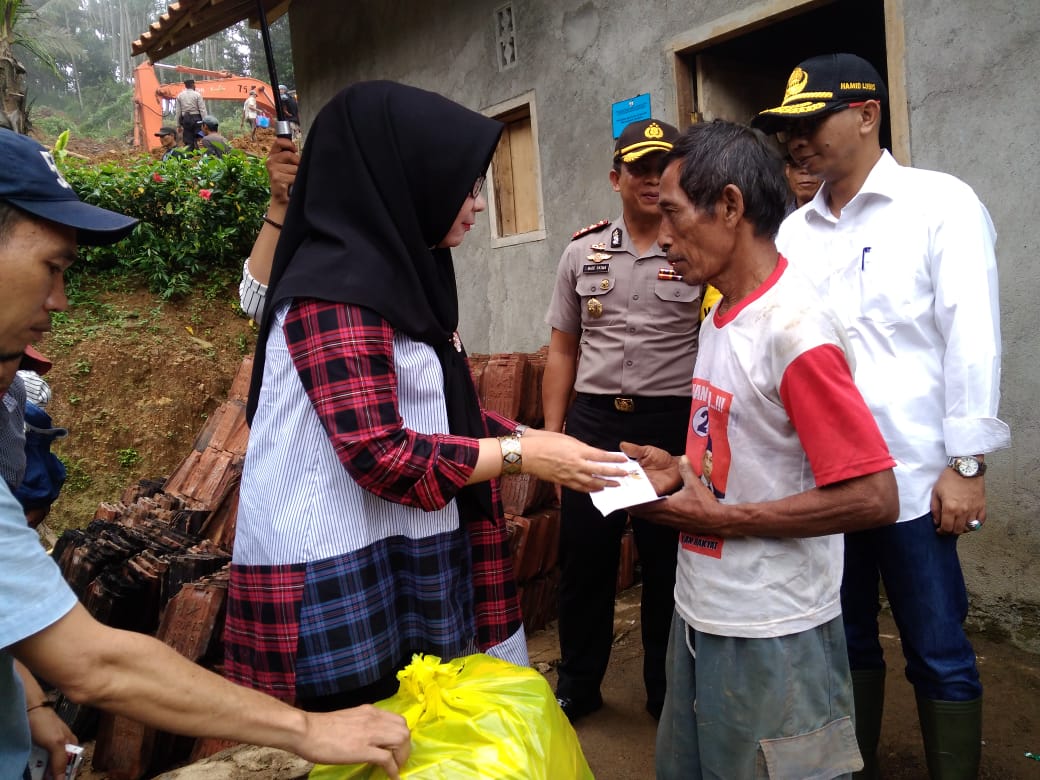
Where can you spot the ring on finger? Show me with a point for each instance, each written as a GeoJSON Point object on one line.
{"type": "Point", "coordinates": [974, 525]}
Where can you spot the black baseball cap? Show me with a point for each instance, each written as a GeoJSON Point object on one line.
{"type": "Point", "coordinates": [641, 138]}
{"type": "Point", "coordinates": [822, 84]}
{"type": "Point", "coordinates": [31, 181]}
{"type": "Point", "coordinates": [166, 130]}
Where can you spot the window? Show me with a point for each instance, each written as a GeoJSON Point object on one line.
{"type": "Point", "coordinates": [515, 197]}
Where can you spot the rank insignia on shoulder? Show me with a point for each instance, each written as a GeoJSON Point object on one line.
{"type": "Point", "coordinates": [590, 229]}
{"type": "Point", "coordinates": [615, 238]}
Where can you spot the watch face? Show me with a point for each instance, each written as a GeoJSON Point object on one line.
{"type": "Point", "coordinates": [967, 467]}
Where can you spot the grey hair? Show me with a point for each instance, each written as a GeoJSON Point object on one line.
{"type": "Point", "coordinates": [715, 154]}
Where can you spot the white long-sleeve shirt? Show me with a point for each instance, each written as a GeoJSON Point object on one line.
{"type": "Point", "coordinates": [909, 266]}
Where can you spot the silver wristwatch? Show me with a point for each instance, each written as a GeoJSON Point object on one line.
{"type": "Point", "coordinates": [967, 466]}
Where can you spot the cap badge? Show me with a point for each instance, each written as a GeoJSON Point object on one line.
{"type": "Point", "coordinates": [797, 82]}
{"type": "Point", "coordinates": [653, 131]}
{"type": "Point", "coordinates": [595, 308]}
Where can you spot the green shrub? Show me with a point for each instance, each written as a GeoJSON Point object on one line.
{"type": "Point", "coordinates": [199, 217]}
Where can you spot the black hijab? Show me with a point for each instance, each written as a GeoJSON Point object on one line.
{"type": "Point", "coordinates": [384, 173]}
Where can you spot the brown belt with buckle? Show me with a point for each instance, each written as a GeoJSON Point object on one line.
{"type": "Point", "coordinates": [629, 404]}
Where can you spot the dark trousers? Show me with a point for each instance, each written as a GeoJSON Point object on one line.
{"type": "Point", "coordinates": [590, 550]}
{"type": "Point", "coordinates": [190, 124]}
{"type": "Point", "coordinates": [925, 588]}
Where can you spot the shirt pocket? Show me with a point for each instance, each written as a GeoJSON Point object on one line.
{"type": "Point", "coordinates": [884, 283]}
{"type": "Point", "coordinates": [593, 285]}
{"type": "Point", "coordinates": [679, 305]}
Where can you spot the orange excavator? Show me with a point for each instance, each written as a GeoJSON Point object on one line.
{"type": "Point", "coordinates": [149, 96]}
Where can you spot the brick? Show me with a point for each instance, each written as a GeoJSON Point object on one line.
{"type": "Point", "coordinates": [522, 493]}
{"type": "Point", "coordinates": [627, 565]}
{"type": "Point", "coordinates": [239, 390]}
{"type": "Point", "coordinates": [503, 384]}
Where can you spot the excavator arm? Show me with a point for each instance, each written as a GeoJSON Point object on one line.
{"type": "Point", "coordinates": [218, 85]}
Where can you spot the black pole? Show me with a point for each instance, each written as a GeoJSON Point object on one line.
{"type": "Point", "coordinates": [282, 127]}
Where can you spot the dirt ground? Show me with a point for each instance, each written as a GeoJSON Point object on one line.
{"type": "Point", "coordinates": [134, 381]}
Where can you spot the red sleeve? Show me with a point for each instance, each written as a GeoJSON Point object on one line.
{"type": "Point", "coordinates": [836, 428]}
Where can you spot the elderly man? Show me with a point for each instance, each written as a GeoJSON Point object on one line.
{"type": "Point", "coordinates": [782, 456]}
{"type": "Point", "coordinates": [42, 625]}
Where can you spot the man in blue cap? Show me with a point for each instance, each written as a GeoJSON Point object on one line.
{"type": "Point", "coordinates": [42, 625]}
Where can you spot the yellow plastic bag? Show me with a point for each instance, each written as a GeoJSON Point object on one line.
{"type": "Point", "coordinates": [477, 717]}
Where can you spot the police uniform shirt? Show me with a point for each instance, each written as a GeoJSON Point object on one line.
{"type": "Point", "coordinates": [637, 327]}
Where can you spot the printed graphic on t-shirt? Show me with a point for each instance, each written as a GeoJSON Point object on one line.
{"type": "Point", "coordinates": [707, 449]}
{"type": "Point", "coordinates": [707, 443]}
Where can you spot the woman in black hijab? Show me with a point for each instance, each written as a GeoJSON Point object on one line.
{"type": "Point", "coordinates": [368, 529]}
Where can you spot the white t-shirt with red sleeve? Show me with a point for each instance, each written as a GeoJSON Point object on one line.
{"type": "Point", "coordinates": [775, 412]}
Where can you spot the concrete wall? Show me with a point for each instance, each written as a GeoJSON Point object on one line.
{"type": "Point", "coordinates": [971, 91]}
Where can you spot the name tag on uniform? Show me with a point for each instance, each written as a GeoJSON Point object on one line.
{"type": "Point", "coordinates": [597, 268]}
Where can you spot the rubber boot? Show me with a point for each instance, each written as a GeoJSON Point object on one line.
{"type": "Point", "coordinates": [868, 692]}
{"type": "Point", "coordinates": [952, 732]}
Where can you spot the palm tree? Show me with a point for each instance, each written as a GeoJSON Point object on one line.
{"type": "Point", "coordinates": [13, 16]}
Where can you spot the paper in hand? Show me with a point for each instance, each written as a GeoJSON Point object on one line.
{"type": "Point", "coordinates": [635, 488]}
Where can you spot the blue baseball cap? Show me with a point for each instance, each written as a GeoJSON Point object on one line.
{"type": "Point", "coordinates": [31, 181]}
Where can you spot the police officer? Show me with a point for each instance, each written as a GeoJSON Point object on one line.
{"type": "Point", "coordinates": [633, 321]}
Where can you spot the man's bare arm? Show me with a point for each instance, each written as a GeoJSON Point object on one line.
{"type": "Point", "coordinates": [140, 677]}
{"type": "Point", "coordinates": [561, 369]}
{"type": "Point", "coordinates": [852, 505]}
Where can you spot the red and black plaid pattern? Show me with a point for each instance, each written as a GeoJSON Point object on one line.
{"type": "Point", "coordinates": [344, 355]}
{"type": "Point", "coordinates": [262, 628]}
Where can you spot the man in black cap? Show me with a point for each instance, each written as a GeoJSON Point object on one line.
{"type": "Point", "coordinates": [213, 142]}
{"type": "Point", "coordinates": [42, 624]}
{"type": "Point", "coordinates": [190, 110]}
{"type": "Point", "coordinates": [906, 258]}
{"type": "Point", "coordinates": [636, 324]}
{"type": "Point", "coordinates": [168, 138]}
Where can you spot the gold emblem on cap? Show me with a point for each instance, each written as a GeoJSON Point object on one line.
{"type": "Point", "coordinates": [653, 130]}
{"type": "Point", "coordinates": [595, 308]}
{"type": "Point", "coordinates": [798, 81]}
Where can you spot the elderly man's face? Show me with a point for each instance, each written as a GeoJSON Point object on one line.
{"type": "Point", "coordinates": [698, 245]}
{"type": "Point", "coordinates": [34, 256]}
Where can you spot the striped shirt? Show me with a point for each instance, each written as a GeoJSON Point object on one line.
{"type": "Point", "coordinates": [347, 529]}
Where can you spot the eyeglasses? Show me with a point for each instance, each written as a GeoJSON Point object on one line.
{"type": "Point", "coordinates": [806, 127]}
{"type": "Point", "coordinates": [478, 187]}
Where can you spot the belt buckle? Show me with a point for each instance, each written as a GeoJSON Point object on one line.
{"type": "Point", "coordinates": [623, 404]}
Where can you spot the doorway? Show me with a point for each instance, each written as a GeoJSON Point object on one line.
{"type": "Point", "coordinates": [735, 66]}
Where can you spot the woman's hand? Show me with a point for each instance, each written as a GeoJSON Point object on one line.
{"type": "Point", "coordinates": [559, 458]}
{"type": "Point", "coordinates": [283, 163]}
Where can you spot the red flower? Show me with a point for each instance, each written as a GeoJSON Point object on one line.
{"type": "Point", "coordinates": [205, 194]}
{"type": "Point", "coordinates": [156, 177]}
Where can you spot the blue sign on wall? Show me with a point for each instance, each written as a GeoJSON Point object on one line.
{"type": "Point", "coordinates": [630, 110]}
